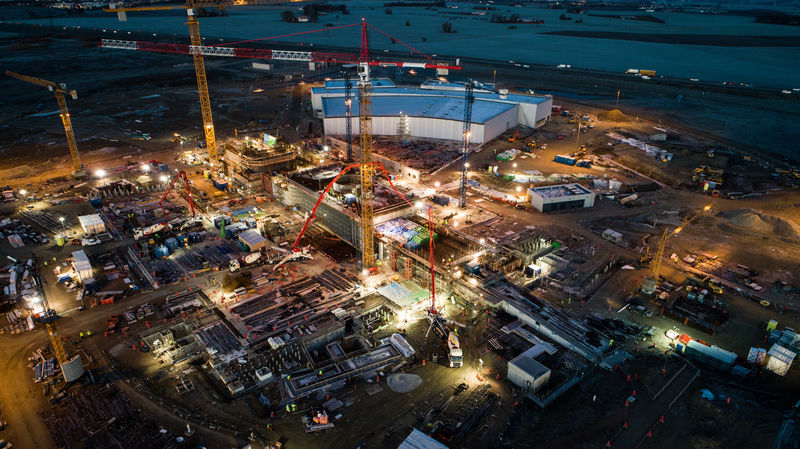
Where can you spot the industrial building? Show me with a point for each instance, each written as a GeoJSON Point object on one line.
{"type": "Point", "coordinates": [431, 111]}
{"type": "Point", "coordinates": [527, 373]}
{"type": "Point", "coordinates": [560, 197]}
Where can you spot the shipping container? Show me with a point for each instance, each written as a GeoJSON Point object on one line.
{"type": "Point", "coordinates": [711, 355]}
{"type": "Point", "coordinates": [564, 159]}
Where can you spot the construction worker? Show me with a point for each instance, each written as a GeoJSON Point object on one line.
{"type": "Point", "coordinates": [88, 333]}
{"type": "Point", "coordinates": [81, 334]}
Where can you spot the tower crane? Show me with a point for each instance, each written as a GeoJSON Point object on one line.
{"type": "Point", "coordinates": [469, 98]}
{"type": "Point", "coordinates": [348, 103]}
{"type": "Point", "coordinates": [650, 283]}
{"type": "Point", "coordinates": [191, 7]}
{"type": "Point", "coordinates": [364, 91]}
{"type": "Point", "coordinates": [365, 128]}
{"type": "Point", "coordinates": [59, 90]}
{"type": "Point", "coordinates": [48, 317]}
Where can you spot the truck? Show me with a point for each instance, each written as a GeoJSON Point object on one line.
{"type": "Point", "coordinates": [247, 259]}
{"type": "Point", "coordinates": [138, 233]}
{"type": "Point", "coordinates": [647, 72]}
{"type": "Point", "coordinates": [564, 159]}
{"type": "Point", "coordinates": [455, 352]}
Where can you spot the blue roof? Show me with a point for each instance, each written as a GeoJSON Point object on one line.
{"type": "Point", "coordinates": [339, 84]}
{"type": "Point", "coordinates": [510, 98]}
{"type": "Point", "coordinates": [429, 106]}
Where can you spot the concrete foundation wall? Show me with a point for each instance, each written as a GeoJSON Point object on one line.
{"type": "Point", "coordinates": [330, 215]}
{"type": "Point", "coordinates": [340, 222]}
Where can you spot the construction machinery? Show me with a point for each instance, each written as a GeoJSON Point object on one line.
{"type": "Point", "coordinates": [365, 124]}
{"type": "Point", "coordinates": [196, 40]}
{"type": "Point", "coordinates": [59, 90]}
{"type": "Point", "coordinates": [469, 98]}
{"type": "Point", "coordinates": [348, 103]}
{"type": "Point", "coordinates": [364, 91]}
{"type": "Point", "coordinates": [180, 175]}
{"type": "Point", "coordinates": [48, 317]}
{"type": "Point", "coordinates": [650, 283]}
{"type": "Point", "coordinates": [513, 138]}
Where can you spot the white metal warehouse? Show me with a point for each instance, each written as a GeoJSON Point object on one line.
{"type": "Point", "coordinates": [434, 110]}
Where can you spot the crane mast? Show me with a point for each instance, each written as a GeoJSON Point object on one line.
{"type": "Point", "coordinates": [365, 124]}
{"type": "Point", "coordinates": [202, 88]}
{"type": "Point", "coordinates": [348, 103]}
{"type": "Point", "coordinates": [650, 283]}
{"type": "Point", "coordinates": [469, 98]}
{"type": "Point", "coordinates": [59, 90]}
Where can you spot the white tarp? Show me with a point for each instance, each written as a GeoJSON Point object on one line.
{"type": "Point", "coordinates": [780, 359]}
{"type": "Point", "coordinates": [92, 224]}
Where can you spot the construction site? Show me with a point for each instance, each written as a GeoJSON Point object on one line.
{"type": "Point", "coordinates": [372, 250]}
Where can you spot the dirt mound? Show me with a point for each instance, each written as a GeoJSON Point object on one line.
{"type": "Point", "coordinates": [762, 223]}
{"type": "Point", "coordinates": [18, 172]}
{"type": "Point", "coordinates": [614, 115]}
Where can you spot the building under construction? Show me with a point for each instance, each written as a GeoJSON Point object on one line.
{"type": "Point", "coordinates": [245, 161]}
{"type": "Point", "coordinates": [338, 212]}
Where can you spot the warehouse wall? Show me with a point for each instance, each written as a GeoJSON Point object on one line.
{"type": "Point", "coordinates": [418, 127]}
{"type": "Point", "coordinates": [499, 124]}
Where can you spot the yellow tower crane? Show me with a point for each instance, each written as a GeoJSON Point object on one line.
{"type": "Point", "coordinates": [365, 127]}
{"type": "Point", "coordinates": [196, 40]}
{"type": "Point", "coordinates": [49, 318]}
{"type": "Point", "coordinates": [59, 90]}
{"type": "Point", "coordinates": [650, 283]}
